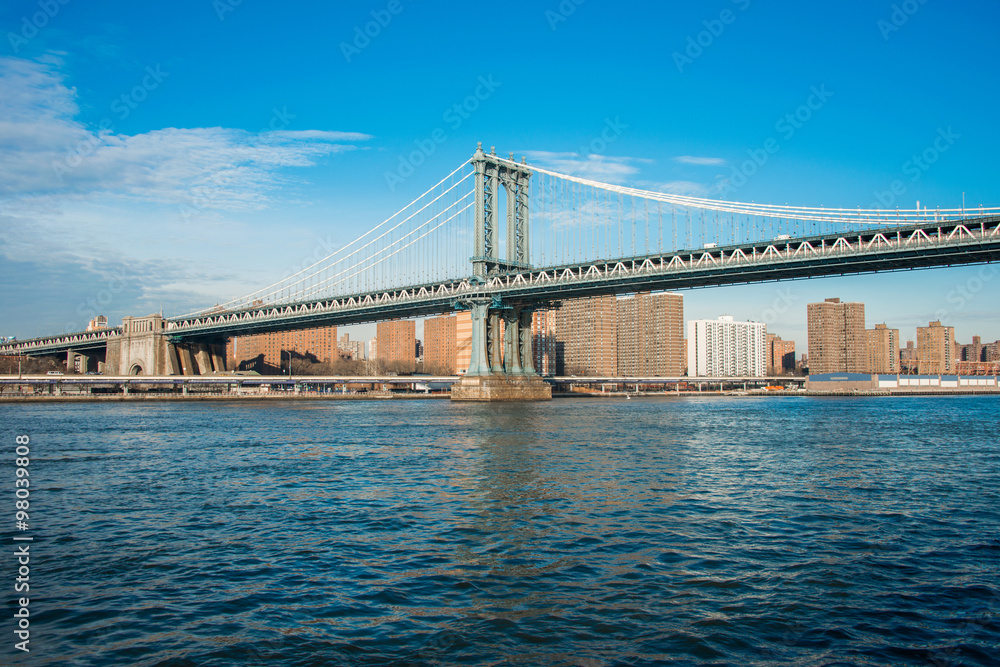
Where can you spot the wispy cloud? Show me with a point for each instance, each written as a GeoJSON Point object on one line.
{"type": "Point", "coordinates": [45, 150]}
{"type": "Point", "coordinates": [701, 161]}
{"type": "Point", "coordinates": [76, 200]}
{"type": "Point", "coordinates": [595, 167]}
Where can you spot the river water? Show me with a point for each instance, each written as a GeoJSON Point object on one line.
{"type": "Point", "coordinates": [726, 531]}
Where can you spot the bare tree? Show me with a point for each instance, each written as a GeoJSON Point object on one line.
{"type": "Point", "coordinates": [31, 365]}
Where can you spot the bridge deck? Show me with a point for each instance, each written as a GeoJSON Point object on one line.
{"type": "Point", "coordinates": [952, 243]}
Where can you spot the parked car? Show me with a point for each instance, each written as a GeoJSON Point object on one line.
{"type": "Point", "coordinates": [55, 373]}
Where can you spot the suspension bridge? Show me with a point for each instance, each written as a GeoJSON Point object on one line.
{"type": "Point", "coordinates": [537, 237]}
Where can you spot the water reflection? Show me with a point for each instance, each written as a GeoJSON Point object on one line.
{"type": "Point", "coordinates": [575, 532]}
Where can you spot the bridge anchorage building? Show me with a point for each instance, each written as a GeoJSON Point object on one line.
{"type": "Point", "coordinates": [537, 237]}
{"type": "Point", "coordinates": [144, 348]}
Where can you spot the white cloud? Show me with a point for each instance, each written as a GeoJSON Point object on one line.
{"type": "Point", "coordinates": [595, 167]}
{"type": "Point", "coordinates": [45, 150]}
{"type": "Point", "coordinates": [75, 200]}
{"type": "Point", "coordinates": [701, 161]}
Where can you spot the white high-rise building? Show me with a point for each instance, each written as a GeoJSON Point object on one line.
{"type": "Point", "coordinates": [724, 348]}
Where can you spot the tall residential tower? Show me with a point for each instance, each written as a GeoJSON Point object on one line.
{"type": "Point", "coordinates": [837, 339]}
{"type": "Point", "coordinates": [725, 348]}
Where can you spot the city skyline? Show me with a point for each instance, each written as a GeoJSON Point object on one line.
{"type": "Point", "coordinates": [641, 336]}
{"type": "Point", "coordinates": [785, 315]}
{"type": "Point", "coordinates": [139, 177]}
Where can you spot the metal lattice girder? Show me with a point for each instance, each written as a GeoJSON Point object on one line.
{"type": "Point", "coordinates": [902, 249]}
{"type": "Point", "coordinates": [523, 256]}
{"type": "Point", "coordinates": [493, 173]}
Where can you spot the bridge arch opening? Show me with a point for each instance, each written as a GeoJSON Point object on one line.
{"type": "Point", "coordinates": [135, 370]}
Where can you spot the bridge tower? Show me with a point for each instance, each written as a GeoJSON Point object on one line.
{"type": "Point", "coordinates": [502, 367]}
{"type": "Point", "coordinates": [492, 173]}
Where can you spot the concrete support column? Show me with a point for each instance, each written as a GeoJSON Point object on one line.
{"type": "Point", "coordinates": [512, 342]}
{"type": "Point", "coordinates": [494, 342]}
{"type": "Point", "coordinates": [524, 331]}
{"type": "Point", "coordinates": [173, 360]}
{"type": "Point", "coordinates": [70, 360]}
{"type": "Point", "coordinates": [181, 361]}
{"type": "Point", "coordinates": [218, 358]}
{"type": "Point", "coordinates": [478, 363]}
{"type": "Point", "coordinates": [203, 360]}
{"type": "Point", "coordinates": [188, 366]}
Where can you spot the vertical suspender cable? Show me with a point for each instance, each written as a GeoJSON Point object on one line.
{"type": "Point", "coordinates": [659, 227]}
{"type": "Point", "coordinates": [645, 206]}
{"type": "Point", "coordinates": [632, 206]}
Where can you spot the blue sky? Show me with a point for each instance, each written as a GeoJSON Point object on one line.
{"type": "Point", "coordinates": [185, 153]}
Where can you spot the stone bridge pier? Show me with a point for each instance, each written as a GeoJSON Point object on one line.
{"type": "Point", "coordinates": [87, 361]}
{"type": "Point", "coordinates": [143, 349]}
{"type": "Point", "coordinates": [502, 367]}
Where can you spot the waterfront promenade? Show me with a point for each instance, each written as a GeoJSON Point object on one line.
{"type": "Point", "coordinates": [272, 388]}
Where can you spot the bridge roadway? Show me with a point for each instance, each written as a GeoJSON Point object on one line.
{"type": "Point", "coordinates": [925, 245]}
{"type": "Point", "coordinates": [887, 249]}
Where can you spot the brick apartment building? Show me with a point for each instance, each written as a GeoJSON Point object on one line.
{"type": "Point", "coordinates": [838, 342]}
{"type": "Point", "coordinates": [935, 349]}
{"type": "Point", "coordinates": [780, 355]}
{"type": "Point", "coordinates": [271, 352]}
{"type": "Point", "coordinates": [883, 350]}
{"type": "Point", "coordinates": [650, 335]}
{"type": "Point", "coordinates": [397, 341]}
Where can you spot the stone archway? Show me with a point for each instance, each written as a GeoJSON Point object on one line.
{"type": "Point", "coordinates": [136, 369]}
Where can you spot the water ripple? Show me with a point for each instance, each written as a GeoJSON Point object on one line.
{"type": "Point", "coordinates": [694, 531]}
